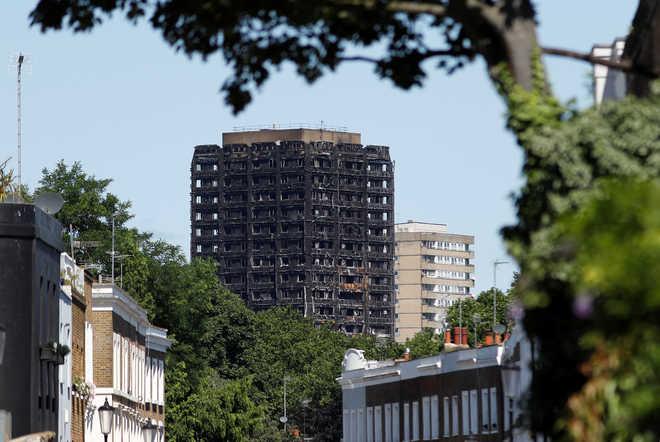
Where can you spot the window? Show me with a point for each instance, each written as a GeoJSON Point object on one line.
{"type": "Point", "coordinates": [199, 248]}
{"type": "Point", "coordinates": [415, 420]}
{"type": "Point", "coordinates": [493, 410]}
{"type": "Point", "coordinates": [370, 424]}
{"type": "Point", "coordinates": [353, 425]}
{"type": "Point", "coordinates": [378, 424]}
{"type": "Point", "coordinates": [198, 199]}
{"type": "Point", "coordinates": [215, 232]}
{"type": "Point", "coordinates": [445, 415]}
{"type": "Point", "coordinates": [198, 183]}
{"type": "Point", "coordinates": [198, 167]}
{"type": "Point", "coordinates": [215, 216]}
{"type": "Point", "coordinates": [485, 415]}
{"type": "Point", "coordinates": [395, 422]}
{"type": "Point", "coordinates": [198, 216]}
{"type": "Point", "coordinates": [465, 406]}
{"type": "Point", "coordinates": [215, 167]}
{"type": "Point", "coordinates": [474, 412]}
{"type": "Point", "coordinates": [406, 422]}
{"type": "Point", "coordinates": [215, 183]}
{"type": "Point", "coordinates": [215, 200]}
{"type": "Point", "coordinates": [426, 417]}
{"type": "Point", "coordinates": [388, 422]}
{"type": "Point", "coordinates": [435, 417]}
{"type": "Point", "coordinates": [198, 232]}
{"type": "Point", "coordinates": [454, 415]}
{"type": "Point", "coordinates": [215, 248]}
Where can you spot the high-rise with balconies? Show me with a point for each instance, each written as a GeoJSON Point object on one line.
{"type": "Point", "coordinates": [434, 269]}
{"type": "Point", "coordinates": [300, 217]}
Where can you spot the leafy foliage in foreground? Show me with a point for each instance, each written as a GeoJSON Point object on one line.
{"type": "Point", "coordinates": [566, 159]}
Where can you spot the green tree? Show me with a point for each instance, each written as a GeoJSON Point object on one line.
{"type": "Point", "coordinates": [216, 410]}
{"type": "Point", "coordinates": [424, 343]}
{"type": "Point", "coordinates": [6, 181]}
{"type": "Point", "coordinates": [256, 38]}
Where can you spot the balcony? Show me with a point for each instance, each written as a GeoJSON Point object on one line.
{"type": "Point", "coordinates": [380, 173]}
{"type": "Point", "coordinates": [382, 320]}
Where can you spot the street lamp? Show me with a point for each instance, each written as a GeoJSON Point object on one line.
{"type": "Point", "coordinates": [496, 263]}
{"type": "Point", "coordinates": [106, 413]}
{"type": "Point", "coordinates": [149, 431]}
{"type": "Point", "coordinates": [476, 319]}
{"type": "Point", "coordinates": [3, 336]}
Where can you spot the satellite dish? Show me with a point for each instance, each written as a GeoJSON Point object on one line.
{"type": "Point", "coordinates": [49, 202]}
{"type": "Point", "coordinates": [284, 419]}
{"type": "Point", "coordinates": [499, 329]}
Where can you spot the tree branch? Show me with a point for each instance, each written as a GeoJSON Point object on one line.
{"type": "Point", "coordinates": [426, 55]}
{"type": "Point", "coordinates": [417, 8]}
{"type": "Point", "coordinates": [409, 7]}
{"type": "Point", "coordinates": [621, 65]}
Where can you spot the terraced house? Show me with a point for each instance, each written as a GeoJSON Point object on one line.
{"type": "Point", "coordinates": [128, 367]}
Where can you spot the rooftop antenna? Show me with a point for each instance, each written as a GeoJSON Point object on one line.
{"type": "Point", "coordinates": [19, 61]}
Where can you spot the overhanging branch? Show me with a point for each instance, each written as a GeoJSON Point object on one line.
{"type": "Point", "coordinates": [621, 65]}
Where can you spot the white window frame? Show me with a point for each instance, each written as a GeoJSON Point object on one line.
{"type": "Point", "coordinates": [454, 415]}
{"type": "Point", "coordinates": [494, 424]}
{"type": "Point", "coordinates": [378, 424]}
{"type": "Point", "coordinates": [485, 414]}
{"type": "Point", "coordinates": [465, 406]}
{"type": "Point", "coordinates": [388, 422]}
{"type": "Point", "coordinates": [474, 412]}
{"type": "Point", "coordinates": [445, 416]}
{"type": "Point", "coordinates": [406, 422]}
{"type": "Point", "coordinates": [370, 424]}
{"type": "Point", "coordinates": [435, 417]}
{"type": "Point", "coordinates": [395, 422]}
{"type": "Point", "coordinates": [426, 418]}
{"type": "Point", "coordinates": [415, 420]}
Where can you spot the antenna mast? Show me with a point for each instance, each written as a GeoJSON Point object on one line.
{"type": "Point", "coordinates": [19, 68]}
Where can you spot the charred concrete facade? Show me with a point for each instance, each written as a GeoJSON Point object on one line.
{"type": "Point", "coordinates": [302, 218]}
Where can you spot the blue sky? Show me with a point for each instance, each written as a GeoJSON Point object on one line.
{"type": "Point", "coordinates": [125, 105]}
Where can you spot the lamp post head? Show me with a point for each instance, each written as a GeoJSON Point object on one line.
{"type": "Point", "coordinates": [106, 413]}
{"type": "Point", "coordinates": [149, 431]}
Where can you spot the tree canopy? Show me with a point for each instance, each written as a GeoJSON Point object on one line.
{"type": "Point", "coordinates": [257, 37]}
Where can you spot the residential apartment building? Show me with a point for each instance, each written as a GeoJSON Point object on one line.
{"type": "Point", "coordinates": [128, 366]}
{"type": "Point", "coordinates": [300, 217]}
{"type": "Point", "coordinates": [453, 396]}
{"type": "Point", "coordinates": [434, 269]}
{"type": "Point", "coordinates": [30, 246]}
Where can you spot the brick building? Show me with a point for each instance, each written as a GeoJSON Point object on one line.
{"type": "Point", "coordinates": [300, 217]}
{"type": "Point", "coordinates": [128, 366]}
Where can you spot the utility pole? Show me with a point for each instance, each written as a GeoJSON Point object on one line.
{"type": "Point", "coordinates": [495, 264]}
